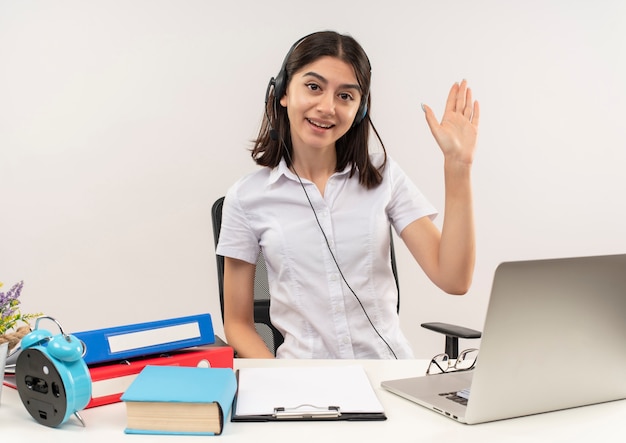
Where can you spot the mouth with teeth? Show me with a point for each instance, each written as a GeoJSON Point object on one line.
{"type": "Point", "coordinates": [320, 125]}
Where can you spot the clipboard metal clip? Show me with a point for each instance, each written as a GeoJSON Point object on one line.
{"type": "Point", "coordinates": [307, 411]}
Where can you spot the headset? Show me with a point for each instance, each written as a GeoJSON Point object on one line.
{"type": "Point", "coordinates": [279, 84]}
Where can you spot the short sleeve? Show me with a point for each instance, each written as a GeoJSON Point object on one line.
{"type": "Point", "coordinates": [407, 203]}
{"type": "Point", "coordinates": [237, 239]}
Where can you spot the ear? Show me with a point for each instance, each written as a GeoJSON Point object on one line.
{"type": "Point", "coordinates": [283, 101]}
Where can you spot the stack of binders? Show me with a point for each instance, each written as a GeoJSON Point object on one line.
{"type": "Point", "coordinates": [115, 356]}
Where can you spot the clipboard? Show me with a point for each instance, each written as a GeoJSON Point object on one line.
{"type": "Point", "coordinates": [316, 393]}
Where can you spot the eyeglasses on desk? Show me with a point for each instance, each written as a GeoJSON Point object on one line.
{"type": "Point", "coordinates": [441, 363]}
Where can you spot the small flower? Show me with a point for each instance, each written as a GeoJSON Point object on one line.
{"type": "Point", "coordinates": [10, 314]}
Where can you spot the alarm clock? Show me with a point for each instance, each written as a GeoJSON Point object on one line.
{"type": "Point", "coordinates": [52, 378]}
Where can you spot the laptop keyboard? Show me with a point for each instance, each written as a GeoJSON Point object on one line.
{"type": "Point", "coordinates": [460, 397]}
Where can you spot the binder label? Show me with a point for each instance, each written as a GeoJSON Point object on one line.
{"type": "Point", "coordinates": [152, 337]}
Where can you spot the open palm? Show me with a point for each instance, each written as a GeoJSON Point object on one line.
{"type": "Point", "coordinates": [457, 133]}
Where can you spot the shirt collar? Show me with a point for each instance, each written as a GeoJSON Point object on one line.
{"type": "Point", "coordinates": [283, 170]}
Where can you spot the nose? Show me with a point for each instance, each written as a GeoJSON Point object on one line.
{"type": "Point", "coordinates": [326, 104]}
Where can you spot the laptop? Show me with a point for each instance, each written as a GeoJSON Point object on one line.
{"type": "Point", "coordinates": [554, 338]}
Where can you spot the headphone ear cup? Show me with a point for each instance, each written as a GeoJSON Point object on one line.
{"type": "Point", "coordinates": [361, 113]}
{"type": "Point", "coordinates": [279, 87]}
{"type": "Point", "coordinates": [280, 82]}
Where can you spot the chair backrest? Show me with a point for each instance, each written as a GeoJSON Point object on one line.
{"type": "Point", "coordinates": [272, 337]}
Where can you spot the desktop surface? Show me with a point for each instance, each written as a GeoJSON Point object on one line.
{"type": "Point", "coordinates": [406, 422]}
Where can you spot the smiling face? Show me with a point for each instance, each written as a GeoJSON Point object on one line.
{"type": "Point", "coordinates": [322, 100]}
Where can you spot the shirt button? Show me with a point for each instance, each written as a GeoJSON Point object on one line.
{"type": "Point", "coordinates": [346, 340]}
{"type": "Point", "coordinates": [333, 277]}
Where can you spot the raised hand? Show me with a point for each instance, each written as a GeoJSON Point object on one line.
{"type": "Point", "coordinates": [456, 134]}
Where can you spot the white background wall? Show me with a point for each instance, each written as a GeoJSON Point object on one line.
{"type": "Point", "coordinates": [122, 121]}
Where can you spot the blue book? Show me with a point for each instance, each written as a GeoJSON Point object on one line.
{"type": "Point", "coordinates": [141, 339]}
{"type": "Point", "coordinates": [179, 400]}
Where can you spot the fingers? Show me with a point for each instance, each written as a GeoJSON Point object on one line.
{"type": "Point", "coordinates": [460, 101]}
{"type": "Point", "coordinates": [451, 103]}
{"type": "Point", "coordinates": [467, 108]}
{"type": "Point", "coordinates": [470, 109]}
{"type": "Point", "coordinates": [476, 115]}
{"type": "Point", "coordinates": [431, 120]}
{"type": "Point", "coordinates": [461, 96]}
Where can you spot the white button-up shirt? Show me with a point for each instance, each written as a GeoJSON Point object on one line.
{"type": "Point", "coordinates": [311, 304]}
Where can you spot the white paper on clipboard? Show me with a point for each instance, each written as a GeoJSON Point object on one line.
{"type": "Point", "coordinates": [262, 390]}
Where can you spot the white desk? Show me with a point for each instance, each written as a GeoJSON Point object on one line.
{"type": "Point", "coordinates": [407, 422]}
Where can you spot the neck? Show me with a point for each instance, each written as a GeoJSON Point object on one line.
{"type": "Point", "coordinates": [315, 166]}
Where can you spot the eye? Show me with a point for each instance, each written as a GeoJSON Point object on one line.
{"type": "Point", "coordinates": [313, 86]}
{"type": "Point", "coordinates": [345, 96]}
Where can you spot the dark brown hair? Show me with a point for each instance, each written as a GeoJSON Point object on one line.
{"type": "Point", "coordinates": [352, 148]}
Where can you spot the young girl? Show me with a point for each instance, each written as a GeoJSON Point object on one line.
{"type": "Point", "coordinates": [321, 207]}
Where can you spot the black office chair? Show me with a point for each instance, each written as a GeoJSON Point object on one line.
{"type": "Point", "coordinates": [273, 338]}
{"type": "Point", "coordinates": [270, 335]}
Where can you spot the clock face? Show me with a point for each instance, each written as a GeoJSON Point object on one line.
{"type": "Point", "coordinates": [41, 387]}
